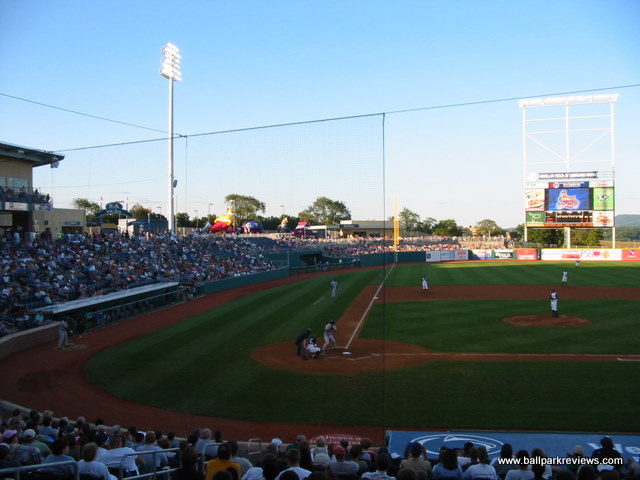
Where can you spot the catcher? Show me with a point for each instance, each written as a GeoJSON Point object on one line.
{"type": "Point", "coordinates": [313, 349]}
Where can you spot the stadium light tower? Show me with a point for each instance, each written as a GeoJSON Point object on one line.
{"type": "Point", "coordinates": [171, 70]}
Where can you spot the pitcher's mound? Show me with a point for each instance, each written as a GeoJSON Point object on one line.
{"type": "Point", "coordinates": [547, 321]}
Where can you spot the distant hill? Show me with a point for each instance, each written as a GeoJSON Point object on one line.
{"type": "Point", "coordinates": [627, 220]}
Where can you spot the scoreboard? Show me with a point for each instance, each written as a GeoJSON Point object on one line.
{"type": "Point", "coordinates": [588, 204]}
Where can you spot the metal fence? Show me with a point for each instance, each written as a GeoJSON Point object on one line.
{"type": "Point", "coordinates": [44, 471]}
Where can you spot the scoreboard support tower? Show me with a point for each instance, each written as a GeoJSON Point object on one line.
{"type": "Point", "coordinates": [568, 149]}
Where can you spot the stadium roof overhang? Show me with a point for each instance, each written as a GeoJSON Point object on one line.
{"type": "Point", "coordinates": [36, 157]}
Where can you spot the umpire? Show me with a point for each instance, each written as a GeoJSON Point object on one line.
{"type": "Point", "coordinates": [301, 343]}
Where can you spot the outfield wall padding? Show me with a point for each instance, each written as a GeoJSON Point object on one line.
{"type": "Point", "coordinates": [243, 281]}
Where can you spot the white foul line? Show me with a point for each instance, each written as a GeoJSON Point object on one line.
{"type": "Point", "coordinates": [318, 301]}
{"type": "Point", "coordinates": [364, 315]}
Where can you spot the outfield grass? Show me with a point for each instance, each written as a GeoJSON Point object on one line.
{"type": "Point", "coordinates": [203, 365]}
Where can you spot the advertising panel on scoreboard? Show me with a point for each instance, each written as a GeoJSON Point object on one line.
{"type": "Point", "coordinates": [535, 200]}
{"type": "Point", "coordinates": [603, 198]}
{"type": "Point", "coordinates": [603, 219]}
{"type": "Point", "coordinates": [568, 199]}
{"type": "Point", "coordinates": [535, 219]}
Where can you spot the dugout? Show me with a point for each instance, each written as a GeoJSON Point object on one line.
{"type": "Point", "coordinates": [96, 312]}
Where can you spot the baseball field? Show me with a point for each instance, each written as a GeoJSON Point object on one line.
{"type": "Point", "coordinates": [479, 350]}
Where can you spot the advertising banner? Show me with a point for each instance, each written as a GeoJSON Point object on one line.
{"type": "Point", "coordinates": [601, 254]}
{"type": "Point", "coordinates": [480, 254]}
{"type": "Point", "coordinates": [503, 254]}
{"type": "Point", "coordinates": [432, 256]}
{"type": "Point", "coordinates": [23, 207]}
{"type": "Point", "coordinates": [557, 254]}
{"type": "Point", "coordinates": [527, 254]}
{"type": "Point", "coordinates": [454, 255]}
{"type": "Point", "coordinates": [553, 444]}
{"type": "Point", "coordinates": [591, 254]}
{"type": "Point", "coordinates": [461, 255]}
{"type": "Point", "coordinates": [630, 254]}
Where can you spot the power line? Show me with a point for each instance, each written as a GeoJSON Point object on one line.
{"type": "Point", "coordinates": [75, 112]}
{"type": "Point", "coordinates": [512, 99]}
{"type": "Point", "coordinates": [305, 122]}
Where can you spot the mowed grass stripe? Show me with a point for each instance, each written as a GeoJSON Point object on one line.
{"type": "Point", "coordinates": [614, 274]}
{"type": "Point", "coordinates": [479, 326]}
{"type": "Point", "coordinates": [522, 395]}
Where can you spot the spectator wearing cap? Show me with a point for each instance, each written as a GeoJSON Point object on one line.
{"type": "Point", "coordinates": [293, 462]}
{"type": "Point", "coordinates": [522, 472]}
{"type": "Point", "coordinates": [383, 462]}
{"type": "Point", "coordinates": [90, 466]}
{"type": "Point", "coordinates": [24, 452]}
{"type": "Point", "coordinates": [9, 437]}
{"type": "Point", "coordinates": [340, 467]}
{"type": "Point", "coordinates": [59, 453]}
{"type": "Point", "coordinates": [223, 462]}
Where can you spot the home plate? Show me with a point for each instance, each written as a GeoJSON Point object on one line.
{"type": "Point", "coordinates": [346, 353]}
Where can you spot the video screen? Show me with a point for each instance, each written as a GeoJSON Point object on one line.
{"type": "Point", "coordinates": [568, 199]}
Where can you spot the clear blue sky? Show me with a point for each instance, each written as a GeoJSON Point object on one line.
{"type": "Point", "coordinates": [258, 63]}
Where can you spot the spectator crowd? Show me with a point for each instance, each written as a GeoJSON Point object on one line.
{"type": "Point", "coordinates": [109, 453]}
{"type": "Point", "coordinates": [43, 271]}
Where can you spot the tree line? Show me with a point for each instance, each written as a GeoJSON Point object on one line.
{"type": "Point", "coordinates": [325, 211]}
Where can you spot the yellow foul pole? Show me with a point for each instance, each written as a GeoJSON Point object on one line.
{"type": "Point", "coordinates": [396, 224]}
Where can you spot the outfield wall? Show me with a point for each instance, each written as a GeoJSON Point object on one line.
{"type": "Point", "coordinates": [558, 254]}
{"type": "Point", "coordinates": [244, 280]}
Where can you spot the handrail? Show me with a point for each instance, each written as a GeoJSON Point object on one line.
{"type": "Point", "coordinates": [154, 454]}
{"type": "Point", "coordinates": [16, 472]}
